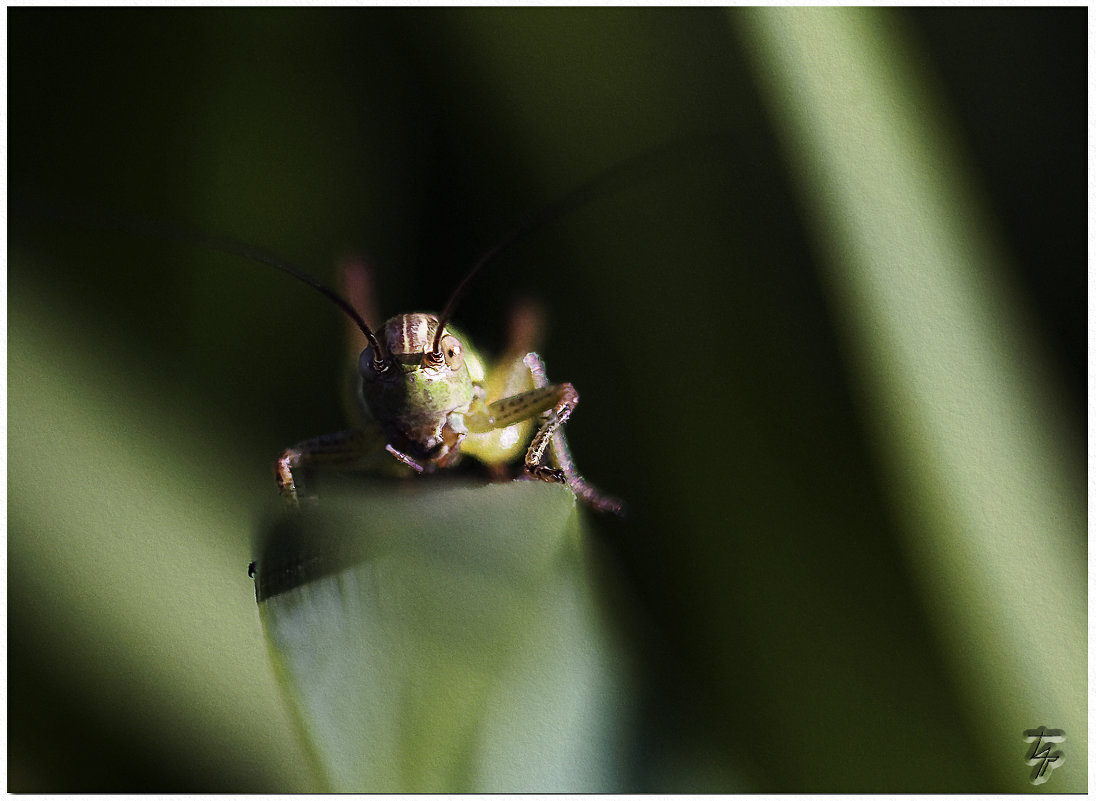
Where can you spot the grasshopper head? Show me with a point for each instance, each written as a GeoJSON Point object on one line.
{"type": "Point", "coordinates": [414, 389]}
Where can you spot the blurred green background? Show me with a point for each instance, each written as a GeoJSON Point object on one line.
{"type": "Point", "coordinates": [797, 598]}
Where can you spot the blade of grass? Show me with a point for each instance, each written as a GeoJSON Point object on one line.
{"type": "Point", "coordinates": [125, 561]}
{"type": "Point", "coordinates": [439, 639]}
{"type": "Point", "coordinates": [959, 394]}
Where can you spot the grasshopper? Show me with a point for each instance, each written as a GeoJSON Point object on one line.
{"type": "Point", "coordinates": [423, 396]}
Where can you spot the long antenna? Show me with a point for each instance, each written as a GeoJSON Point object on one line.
{"type": "Point", "coordinates": [601, 185]}
{"type": "Point", "coordinates": [216, 242]}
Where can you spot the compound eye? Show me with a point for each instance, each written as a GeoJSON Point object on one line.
{"type": "Point", "coordinates": [452, 351]}
{"type": "Point", "coordinates": [367, 364]}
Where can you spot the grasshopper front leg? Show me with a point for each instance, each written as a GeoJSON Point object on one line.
{"type": "Point", "coordinates": [561, 453]}
{"type": "Point", "coordinates": [554, 403]}
{"type": "Point", "coordinates": [343, 449]}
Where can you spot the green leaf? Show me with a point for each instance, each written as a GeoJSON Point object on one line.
{"type": "Point", "coordinates": [439, 639]}
{"type": "Point", "coordinates": [965, 411]}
